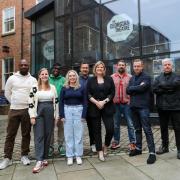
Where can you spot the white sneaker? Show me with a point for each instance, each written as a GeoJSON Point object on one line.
{"type": "Point", "coordinates": [25, 160]}
{"type": "Point", "coordinates": [38, 167]}
{"type": "Point", "coordinates": [93, 148]}
{"type": "Point", "coordinates": [78, 160]}
{"type": "Point", "coordinates": [70, 161]}
{"type": "Point", "coordinates": [5, 163]}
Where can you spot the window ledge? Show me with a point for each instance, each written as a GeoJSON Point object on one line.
{"type": "Point", "coordinates": [8, 34]}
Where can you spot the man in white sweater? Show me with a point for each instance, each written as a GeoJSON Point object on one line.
{"type": "Point", "coordinates": [17, 91]}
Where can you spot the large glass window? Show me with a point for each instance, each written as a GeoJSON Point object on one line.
{"type": "Point", "coordinates": [8, 20]}
{"type": "Point", "coordinates": [62, 7]}
{"type": "Point", "coordinates": [45, 22]}
{"type": "Point", "coordinates": [160, 26]}
{"type": "Point", "coordinates": [153, 65]}
{"type": "Point", "coordinates": [82, 4]}
{"type": "Point", "coordinates": [87, 36]}
{"type": "Point", "coordinates": [63, 41]}
{"type": "Point", "coordinates": [120, 29]}
{"type": "Point", "coordinates": [44, 50]}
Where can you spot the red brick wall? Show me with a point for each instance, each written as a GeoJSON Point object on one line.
{"type": "Point", "coordinates": [14, 40]}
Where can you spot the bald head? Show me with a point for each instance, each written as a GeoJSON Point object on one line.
{"type": "Point", "coordinates": [23, 67]}
{"type": "Point", "coordinates": [167, 65]}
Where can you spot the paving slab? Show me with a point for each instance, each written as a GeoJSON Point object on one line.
{"type": "Point", "coordinates": [25, 173]}
{"type": "Point", "coordinates": [139, 160]}
{"type": "Point", "coordinates": [119, 169]}
{"type": "Point", "coordinates": [161, 170]}
{"type": "Point", "coordinates": [8, 171]}
{"type": "Point", "coordinates": [62, 167]}
{"type": "Point", "coordinates": [5, 177]}
{"type": "Point", "coordinates": [89, 174]}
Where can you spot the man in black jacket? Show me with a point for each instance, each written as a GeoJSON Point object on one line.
{"type": "Point", "coordinates": [167, 89]}
{"type": "Point", "coordinates": [139, 90]}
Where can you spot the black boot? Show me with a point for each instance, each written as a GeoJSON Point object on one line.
{"type": "Point", "coordinates": [178, 154]}
{"type": "Point", "coordinates": [162, 150]}
{"type": "Point", "coordinates": [151, 159]}
{"type": "Point", "coordinates": [135, 152]}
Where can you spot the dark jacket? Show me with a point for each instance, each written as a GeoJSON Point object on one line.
{"type": "Point", "coordinates": [140, 94]}
{"type": "Point", "coordinates": [108, 91]}
{"type": "Point", "coordinates": [167, 90]}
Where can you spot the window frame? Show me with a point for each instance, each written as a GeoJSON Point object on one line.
{"type": "Point", "coordinates": [3, 69]}
{"type": "Point", "coordinates": [3, 20]}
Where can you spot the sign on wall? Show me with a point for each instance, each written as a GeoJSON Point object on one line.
{"type": "Point", "coordinates": [48, 50]}
{"type": "Point", "coordinates": [119, 27]}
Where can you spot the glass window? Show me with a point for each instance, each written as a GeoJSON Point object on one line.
{"type": "Point", "coordinates": [153, 65]}
{"type": "Point", "coordinates": [120, 29]}
{"type": "Point", "coordinates": [160, 26]}
{"type": "Point", "coordinates": [63, 41]}
{"type": "Point", "coordinates": [8, 68]}
{"type": "Point", "coordinates": [87, 36]}
{"type": "Point", "coordinates": [8, 20]}
{"type": "Point", "coordinates": [81, 4]}
{"type": "Point", "coordinates": [45, 22]}
{"type": "Point", "coordinates": [62, 7]}
{"type": "Point", "coordinates": [44, 50]}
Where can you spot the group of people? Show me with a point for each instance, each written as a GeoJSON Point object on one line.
{"type": "Point", "coordinates": [68, 102]}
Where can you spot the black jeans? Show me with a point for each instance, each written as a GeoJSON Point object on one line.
{"type": "Point", "coordinates": [109, 126]}
{"type": "Point", "coordinates": [165, 116]}
{"type": "Point", "coordinates": [141, 120]}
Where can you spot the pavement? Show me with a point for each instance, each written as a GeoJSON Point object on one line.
{"type": "Point", "coordinates": [118, 165]}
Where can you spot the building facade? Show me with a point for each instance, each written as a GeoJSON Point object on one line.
{"type": "Point", "coordinates": [15, 40]}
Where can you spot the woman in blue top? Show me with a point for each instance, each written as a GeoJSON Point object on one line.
{"type": "Point", "coordinates": [73, 107]}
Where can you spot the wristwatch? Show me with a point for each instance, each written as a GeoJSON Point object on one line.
{"type": "Point", "coordinates": [106, 101]}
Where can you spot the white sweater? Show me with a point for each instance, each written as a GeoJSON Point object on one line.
{"type": "Point", "coordinates": [17, 90]}
{"type": "Point", "coordinates": [34, 99]}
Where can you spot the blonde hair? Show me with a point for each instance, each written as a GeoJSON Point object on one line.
{"type": "Point", "coordinates": [67, 84]}
{"type": "Point", "coordinates": [39, 79]}
{"type": "Point", "coordinates": [96, 65]}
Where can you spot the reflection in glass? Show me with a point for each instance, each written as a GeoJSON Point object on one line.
{"type": "Point", "coordinates": [62, 7]}
{"type": "Point", "coordinates": [87, 36]}
{"type": "Point", "coordinates": [161, 30]}
{"type": "Point", "coordinates": [81, 4]}
{"type": "Point", "coordinates": [63, 41]}
{"type": "Point", "coordinates": [44, 50]}
{"type": "Point", "coordinates": [123, 17]}
{"type": "Point", "coordinates": [45, 22]}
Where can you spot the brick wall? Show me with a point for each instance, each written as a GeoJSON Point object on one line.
{"type": "Point", "coordinates": [14, 40]}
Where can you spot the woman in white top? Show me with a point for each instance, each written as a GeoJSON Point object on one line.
{"type": "Point", "coordinates": [43, 109]}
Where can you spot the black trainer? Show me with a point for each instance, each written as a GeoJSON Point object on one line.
{"type": "Point", "coordinates": [151, 159]}
{"type": "Point", "coordinates": [135, 152]}
{"type": "Point", "coordinates": [162, 150]}
{"type": "Point", "coordinates": [178, 154]}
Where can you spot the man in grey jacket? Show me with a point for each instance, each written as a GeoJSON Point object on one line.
{"type": "Point", "coordinates": [17, 91]}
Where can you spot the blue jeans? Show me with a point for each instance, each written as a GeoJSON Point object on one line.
{"type": "Point", "coordinates": [73, 130]}
{"type": "Point", "coordinates": [126, 111]}
{"type": "Point", "coordinates": [141, 120]}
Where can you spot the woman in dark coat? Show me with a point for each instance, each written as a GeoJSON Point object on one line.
{"type": "Point", "coordinates": [101, 91]}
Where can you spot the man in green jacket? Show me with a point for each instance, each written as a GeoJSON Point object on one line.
{"type": "Point", "coordinates": [58, 81]}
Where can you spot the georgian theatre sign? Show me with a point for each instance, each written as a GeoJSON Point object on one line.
{"type": "Point", "coordinates": [119, 27]}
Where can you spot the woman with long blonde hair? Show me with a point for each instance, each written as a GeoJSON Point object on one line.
{"type": "Point", "coordinates": [43, 109]}
{"type": "Point", "coordinates": [73, 107]}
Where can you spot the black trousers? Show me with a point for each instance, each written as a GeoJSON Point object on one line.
{"type": "Point", "coordinates": [165, 116]}
{"type": "Point", "coordinates": [109, 127]}
{"type": "Point", "coordinates": [90, 129]}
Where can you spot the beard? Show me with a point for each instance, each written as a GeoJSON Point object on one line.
{"type": "Point", "coordinates": [121, 70]}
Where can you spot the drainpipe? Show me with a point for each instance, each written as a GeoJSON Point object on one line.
{"type": "Point", "coordinates": [22, 30]}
